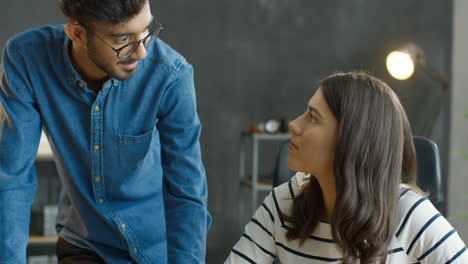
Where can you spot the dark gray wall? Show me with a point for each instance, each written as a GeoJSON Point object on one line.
{"type": "Point", "coordinates": [260, 59]}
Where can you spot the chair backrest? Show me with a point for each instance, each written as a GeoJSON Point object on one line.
{"type": "Point", "coordinates": [429, 176]}
{"type": "Point", "coordinates": [428, 162]}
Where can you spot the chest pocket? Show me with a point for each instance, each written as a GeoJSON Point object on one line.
{"type": "Point", "coordinates": [134, 149]}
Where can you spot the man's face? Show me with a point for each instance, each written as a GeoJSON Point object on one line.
{"type": "Point", "coordinates": [118, 36]}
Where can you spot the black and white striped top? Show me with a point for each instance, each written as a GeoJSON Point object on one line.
{"type": "Point", "coordinates": [423, 234]}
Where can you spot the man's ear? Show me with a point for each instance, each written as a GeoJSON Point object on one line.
{"type": "Point", "coordinates": [77, 33]}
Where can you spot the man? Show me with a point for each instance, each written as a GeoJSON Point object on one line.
{"type": "Point", "coordinates": [118, 106]}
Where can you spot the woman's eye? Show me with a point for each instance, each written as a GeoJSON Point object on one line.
{"type": "Point", "coordinates": [312, 117]}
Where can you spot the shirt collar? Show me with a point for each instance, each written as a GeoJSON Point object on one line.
{"type": "Point", "coordinates": [72, 74]}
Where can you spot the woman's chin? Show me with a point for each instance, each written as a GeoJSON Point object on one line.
{"type": "Point", "coordinates": [291, 164]}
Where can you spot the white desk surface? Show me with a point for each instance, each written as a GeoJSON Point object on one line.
{"type": "Point", "coordinates": [44, 151]}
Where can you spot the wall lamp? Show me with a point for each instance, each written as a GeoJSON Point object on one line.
{"type": "Point", "coordinates": [401, 65]}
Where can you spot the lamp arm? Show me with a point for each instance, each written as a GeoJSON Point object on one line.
{"type": "Point", "coordinates": [433, 116]}
{"type": "Point", "coordinates": [434, 75]}
{"type": "Point", "coordinates": [437, 106]}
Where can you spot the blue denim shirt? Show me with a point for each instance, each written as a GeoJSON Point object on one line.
{"type": "Point", "coordinates": [134, 186]}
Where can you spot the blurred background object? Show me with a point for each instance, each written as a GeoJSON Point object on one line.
{"type": "Point", "coordinates": [44, 152]}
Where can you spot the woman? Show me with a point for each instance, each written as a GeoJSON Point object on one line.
{"type": "Point", "coordinates": [354, 199]}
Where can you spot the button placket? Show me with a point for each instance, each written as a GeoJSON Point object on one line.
{"type": "Point", "coordinates": [97, 154]}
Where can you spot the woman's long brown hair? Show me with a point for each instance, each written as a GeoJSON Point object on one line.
{"type": "Point", "coordinates": [374, 153]}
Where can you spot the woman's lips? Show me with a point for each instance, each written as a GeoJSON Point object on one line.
{"type": "Point", "coordinates": [292, 146]}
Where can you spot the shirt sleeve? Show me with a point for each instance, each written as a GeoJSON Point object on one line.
{"type": "Point", "coordinates": [257, 243]}
{"type": "Point", "coordinates": [20, 129]}
{"type": "Point", "coordinates": [426, 236]}
{"type": "Point", "coordinates": [185, 188]}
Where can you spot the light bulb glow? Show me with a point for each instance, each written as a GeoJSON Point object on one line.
{"type": "Point", "coordinates": [400, 65]}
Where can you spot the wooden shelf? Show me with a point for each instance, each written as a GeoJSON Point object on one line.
{"type": "Point", "coordinates": [41, 245]}
{"type": "Point", "coordinates": [262, 185]}
{"type": "Point", "coordinates": [267, 136]}
{"type": "Point", "coordinates": [43, 239]}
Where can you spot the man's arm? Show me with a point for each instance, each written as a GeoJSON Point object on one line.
{"type": "Point", "coordinates": [185, 190]}
{"type": "Point", "coordinates": [19, 138]}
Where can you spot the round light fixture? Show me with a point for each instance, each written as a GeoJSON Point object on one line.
{"type": "Point", "coordinates": [400, 65]}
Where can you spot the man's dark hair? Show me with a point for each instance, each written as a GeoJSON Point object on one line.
{"type": "Point", "coordinates": [91, 11]}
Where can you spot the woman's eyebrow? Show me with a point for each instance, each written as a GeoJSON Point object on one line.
{"type": "Point", "coordinates": [314, 110]}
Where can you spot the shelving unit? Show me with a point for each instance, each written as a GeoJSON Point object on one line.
{"type": "Point", "coordinates": [255, 182]}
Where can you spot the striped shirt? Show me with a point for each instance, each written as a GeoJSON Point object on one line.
{"type": "Point", "coordinates": [423, 235]}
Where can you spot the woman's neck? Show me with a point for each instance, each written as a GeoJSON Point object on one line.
{"type": "Point", "coordinates": [328, 186]}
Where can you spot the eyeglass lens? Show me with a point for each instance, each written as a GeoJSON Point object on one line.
{"type": "Point", "coordinates": [127, 51]}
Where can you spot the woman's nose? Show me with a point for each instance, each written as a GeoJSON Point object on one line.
{"type": "Point", "coordinates": [294, 127]}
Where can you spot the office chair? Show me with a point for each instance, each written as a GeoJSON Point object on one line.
{"type": "Point", "coordinates": [428, 163]}
{"type": "Point", "coordinates": [429, 175]}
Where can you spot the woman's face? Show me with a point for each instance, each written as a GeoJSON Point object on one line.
{"type": "Point", "coordinates": [314, 136]}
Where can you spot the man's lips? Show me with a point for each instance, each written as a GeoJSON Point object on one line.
{"type": "Point", "coordinates": [131, 65]}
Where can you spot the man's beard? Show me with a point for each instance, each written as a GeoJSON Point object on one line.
{"type": "Point", "coordinates": [112, 72]}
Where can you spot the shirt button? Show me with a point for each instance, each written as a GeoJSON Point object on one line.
{"type": "Point", "coordinates": [97, 178]}
{"type": "Point", "coordinates": [96, 108]}
{"type": "Point", "coordinates": [101, 200]}
{"type": "Point", "coordinates": [96, 147]}
{"type": "Point", "coordinates": [123, 226]}
{"type": "Point", "coordinates": [135, 250]}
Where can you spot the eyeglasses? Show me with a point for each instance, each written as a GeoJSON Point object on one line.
{"type": "Point", "coordinates": [130, 48]}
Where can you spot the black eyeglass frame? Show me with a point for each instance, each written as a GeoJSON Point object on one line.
{"type": "Point", "coordinates": [155, 33]}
